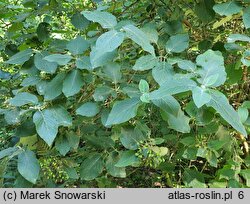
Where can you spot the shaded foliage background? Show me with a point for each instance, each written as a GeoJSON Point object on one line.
{"type": "Point", "coordinates": [124, 93]}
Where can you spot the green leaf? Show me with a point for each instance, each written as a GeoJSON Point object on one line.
{"type": "Point", "coordinates": [220, 103]}
{"type": "Point", "coordinates": [8, 152]}
{"type": "Point", "coordinates": [193, 178]}
{"type": "Point", "coordinates": [173, 27]}
{"type": "Point", "coordinates": [28, 166]}
{"type": "Point", "coordinates": [145, 63]}
{"type": "Point", "coordinates": [77, 45]}
{"type": "Point", "coordinates": [41, 86]}
{"type": "Point", "coordinates": [173, 60]}
{"type": "Point", "coordinates": [44, 65]}
{"type": "Point", "coordinates": [72, 173]}
{"type": "Point", "coordinates": [20, 57]}
{"type": "Point", "coordinates": [213, 70]}
{"type": "Point", "coordinates": [4, 75]}
{"type": "Point", "coordinates": [46, 125]}
{"type": "Point", "coordinates": [201, 152]}
{"type": "Point", "coordinates": [21, 182]}
{"type": "Point", "coordinates": [222, 21]}
{"type": "Point", "coordinates": [88, 109]}
{"type": "Point", "coordinates": [112, 169]}
{"type": "Point", "coordinates": [228, 8]}
{"type": "Point", "coordinates": [79, 21]}
{"type": "Point", "coordinates": [145, 98]}
{"type": "Point", "coordinates": [127, 158]}
{"type": "Point", "coordinates": [23, 98]}
{"type": "Point", "coordinates": [112, 71]}
{"type": "Point", "coordinates": [61, 115]}
{"type": "Point", "coordinates": [12, 116]}
{"type": "Point", "coordinates": [245, 58]}
{"type": "Point", "coordinates": [100, 142]}
{"type": "Point", "coordinates": [173, 86]}
{"type": "Point", "coordinates": [123, 111]}
{"type": "Point", "coordinates": [83, 63]}
{"type": "Point", "coordinates": [179, 123]}
{"type": "Point", "coordinates": [56, 85]}
{"type": "Point", "coordinates": [73, 139]}
{"type": "Point", "coordinates": [187, 65]}
{"type": "Point", "coordinates": [143, 86]}
{"type": "Point", "coordinates": [29, 142]}
{"type": "Point", "coordinates": [188, 141]}
{"type": "Point", "coordinates": [62, 145]}
{"type": "Point", "coordinates": [109, 41]}
{"type": "Point", "coordinates": [130, 138]}
{"type": "Point", "coordinates": [246, 175]}
{"type": "Point", "coordinates": [16, 26]}
{"type": "Point", "coordinates": [218, 184]}
{"type": "Point", "coordinates": [210, 80]}
{"type": "Point", "coordinates": [162, 72]}
{"type": "Point", "coordinates": [246, 104]}
{"type": "Point", "coordinates": [200, 96]}
{"type": "Point", "coordinates": [131, 91]}
{"type": "Point", "coordinates": [177, 43]}
{"type": "Point", "coordinates": [102, 93]}
{"type": "Point", "coordinates": [139, 37]}
{"type": "Point", "coordinates": [43, 31]}
{"type": "Point", "coordinates": [246, 17]}
{"type": "Point", "coordinates": [234, 74]}
{"type": "Point", "coordinates": [58, 58]}
{"type": "Point", "coordinates": [168, 104]}
{"type": "Point", "coordinates": [161, 151]}
{"type": "Point", "coordinates": [237, 37]}
{"type": "Point", "coordinates": [216, 144]}
{"type": "Point", "coordinates": [72, 83]}
{"type": "Point", "coordinates": [246, 1]}
{"type": "Point", "coordinates": [204, 10]}
{"type": "Point", "coordinates": [150, 30]}
{"type": "Point", "coordinates": [107, 20]}
{"type": "Point", "coordinates": [190, 153]}
{"type": "Point", "coordinates": [234, 183]}
{"type": "Point", "coordinates": [243, 114]}
{"type": "Point", "coordinates": [99, 58]}
{"type": "Point", "coordinates": [226, 173]}
{"type": "Point", "coordinates": [92, 167]}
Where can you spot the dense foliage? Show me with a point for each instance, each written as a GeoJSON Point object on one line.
{"type": "Point", "coordinates": [124, 93]}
